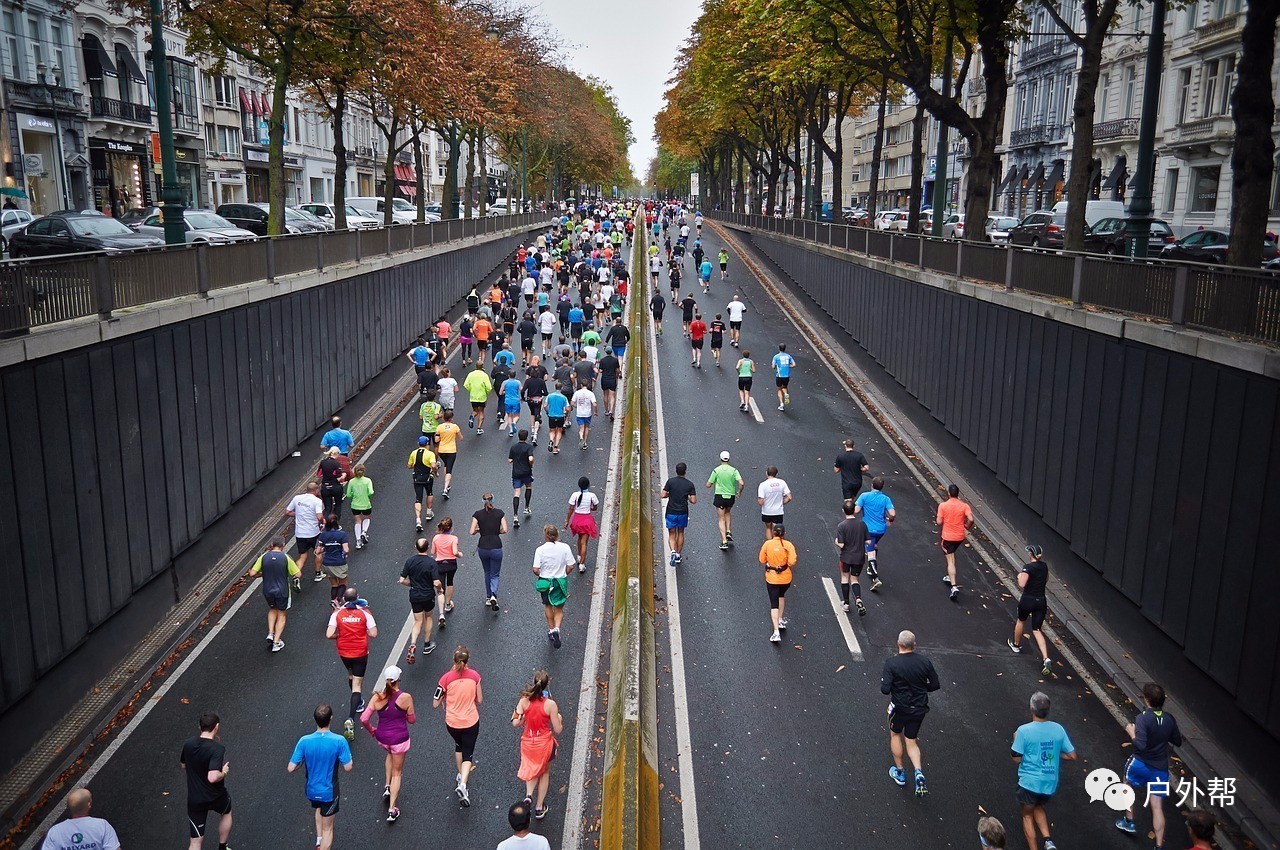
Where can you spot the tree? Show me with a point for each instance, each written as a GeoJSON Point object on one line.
{"type": "Point", "coordinates": [1253, 156]}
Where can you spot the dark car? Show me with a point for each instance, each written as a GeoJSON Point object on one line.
{"type": "Point", "coordinates": [253, 218]}
{"type": "Point", "coordinates": [1040, 229]}
{"type": "Point", "coordinates": [1108, 236]}
{"type": "Point", "coordinates": [74, 233]}
{"type": "Point", "coordinates": [1209, 246]}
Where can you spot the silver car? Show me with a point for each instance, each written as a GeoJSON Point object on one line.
{"type": "Point", "coordinates": [11, 221]}
{"type": "Point", "coordinates": [202, 226]}
{"type": "Point", "coordinates": [998, 227]}
{"type": "Point", "coordinates": [356, 219]}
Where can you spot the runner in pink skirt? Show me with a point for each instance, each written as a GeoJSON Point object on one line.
{"type": "Point", "coordinates": [394, 708]}
{"type": "Point", "coordinates": [581, 520]}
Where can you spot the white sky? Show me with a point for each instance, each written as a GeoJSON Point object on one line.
{"type": "Point", "coordinates": [631, 46]}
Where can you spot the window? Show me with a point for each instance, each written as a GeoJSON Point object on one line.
{"type": "Point", "coordinates": [1204, 188]}
{"type": "Point", "coordinates": [37, 43]}
{"type": "Point", "coordinates": [223, 91]}
{"type": "Point", "coordinates": [1193, 14]}
{"type": "Point", "coordinates": [211, 139]}
{"type": "Point", "coordinates": [1103, 96]}
{"type": "Point", "coordinates": [1184, 95]}
{"type": "Point", "coordinates": [11, 45]}
{"type": "Point", "coordinates": [57, 33]}
{"type": "Point", "coordinates": [1227, 65]}
{"type": "Point", "coordinates": [1130, 89]}
{"type": "Point", "coordinates": [229, 140]}
{"type": "Point", "coordinates": [123, 79]}
{"type": "Point", "coordinates": [182, 77]}
{"type": "Point", "coordinates": [1170, 189]}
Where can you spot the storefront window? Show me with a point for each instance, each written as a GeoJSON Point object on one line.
{"type": "Point", "coordinates": [1204, 188]}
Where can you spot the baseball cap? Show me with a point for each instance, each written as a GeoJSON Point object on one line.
{"type": "Point", "coordinates": [391, 674]}
{"type": "Point", "coordinates": [724, 455]}
{"type": "Point", "coordinates": [1034, 550]}
{"type": "Point", "coordinates": [422, 441]}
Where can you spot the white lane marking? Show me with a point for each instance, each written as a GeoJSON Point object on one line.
{"type": "Point", "coordinates": [56, 813]}
{"type": "Point", "coordinates": [755, 410]}
{"type": "Point", "coordinates": [842, 618]}
{"type": "Point", "coordinates": [400, 642]}
{"type": "Point", "coordinates": [575, 830]}
{"type": "Point", "coordinates": [684, 740]}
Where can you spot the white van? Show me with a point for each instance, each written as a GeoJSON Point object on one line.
{"type": "Point", "coordinates": [1094, 211]}
{"type": "Point", "coordinates": [402, 212]}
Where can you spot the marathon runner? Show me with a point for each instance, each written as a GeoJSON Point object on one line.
{"type": "Point", "coordinates": [735, 309]}
{"type": "Point", "coordinates": [852, 541]}
{"type": "Point", "coordinates": [320, 753]}
{"type": "Point", "coordinates": [954, 518]}
{"type": "Point", "coordinates": [278, 573]}
{"type": "Point", "coordinates": [778, 556]}
{"type": "Point", "coordinates": [878, 514]}
{"type": "Point", "coordinates": [697, 333]}
{"type": "Point", "coordinates": [478, 386]}
{"type": "Point", "coordinates": [351, 626]}
{"type": "Point", "coordinates": [421, 575]}
{"type": "Point", "coordinates": [447, 436]}
{"type": "Point", "coordinates": [680, 493]}
{"type": "Point", "coordinates": [657, 306]}
{"type": "Point", "coordinates": [746, 375]}
{"type": "Point", "coordinates": [717, 338]}
{"type": "Point", "coordinates": [725, 483]}
{"type": "Point", "coordinates": [1033, 578]}
{"type": "Point", "coordinates": [782, 363]}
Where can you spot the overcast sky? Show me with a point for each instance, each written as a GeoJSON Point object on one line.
{"type": "Point", "coordinates": [630, 45]}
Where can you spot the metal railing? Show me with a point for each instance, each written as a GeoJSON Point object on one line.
{"type": "Point", "coordinates": [1238, 301]}
{"type": "Point", "coordinates": [42, 291]}
{"type": "Point", "coordinates": [105, 107]}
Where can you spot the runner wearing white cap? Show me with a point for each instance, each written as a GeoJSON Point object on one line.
{"type": "Point", "coordinates": [726, 484]}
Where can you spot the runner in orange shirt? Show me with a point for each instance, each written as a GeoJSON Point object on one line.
{"type": "Point", "coordinates": [954, 517]}
{"type": "Point", "coordinates": [483, 329]}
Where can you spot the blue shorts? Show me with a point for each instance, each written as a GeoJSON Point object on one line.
{"type": "Point", "coordinates": [619, 350]}
{"type": "Point", "coordinates": [873, 540]}
{"type": "Point", "coordinates": [1141, 777]}
{"type": "Point", "coordinates": [522, 481]}
{"type": "Point", "coordinates": [677, 520]}
{"type": "Point", "coordinates": [584, 420]}
{"type": "Point", "coordinates": [511, 408]}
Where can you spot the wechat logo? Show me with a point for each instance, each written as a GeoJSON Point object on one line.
{"type": "Point", "coordinates": [1103, 784]}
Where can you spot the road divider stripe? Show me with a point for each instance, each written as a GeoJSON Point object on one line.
{"type": "Point", "coordinates": [846, 628]}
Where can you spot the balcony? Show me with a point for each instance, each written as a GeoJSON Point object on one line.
{"type": "Point", "coordinates": [34, 95]}
{"type": "Point", "coordinates": [119, 110]}
{"type": "Point", "coordinates": [1041, 53]}
{"type": "Point", "coordinates": [1040, 134]}
{"type": "Point", "coordinates": [1214, 134]}
{"type": "Point", "coordinates": [1120, 129]}
{"type": "Point", "coordinates": [1222, 29]}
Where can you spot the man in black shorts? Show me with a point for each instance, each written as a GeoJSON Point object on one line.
{"type": "Point", "coordinates": [204, 760]}
{"type": "Point", "coordinates": [609, 367]}
{"type": "Point", "coordinates": [534, 393]}
{"type": "Point", "coordinates": [851, 540]}
{"type": "Point", "coordinates": [421, 575]}
{"type": "Point", "coordinates": [657, 306]}
{"type": "Point", "coordinates": [673, 274]}
{"type": "Point", "coordinates": [521, 459]}
{"type": "Point", "coordinates": [717, 337]}
{"type": "Point", "coordinates": [423, 466]}
{"type": "Point", "coordinates": [851, 466]}
{"type": "Point", "coordinates": [688, 308]}
{"type": "Point", "coordinates": [584, 372]}
{"type": "Point", "coordinates": [1033, 578]}
{"type": "Point", "coordinates": [278, 572]}
{"type": "Point", "coordinates": [907, 679]}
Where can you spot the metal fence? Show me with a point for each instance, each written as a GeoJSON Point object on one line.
{"type": "Point", "coordinates": [1236, 301]}
{"type": "Point", "coordinates": [36, 292]}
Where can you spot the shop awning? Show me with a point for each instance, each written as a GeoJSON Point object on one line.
{"type": "Point", "coordinates": [405, 174]}
{"type": "Point", "coordinates": [1037, 178]}
{"type": "Point", "coordinates": [245, 103]}
{"type": "Point", "coordinates": [409, 189]}
{"type": "Point", "coordinates": [130, 64]}
{"type": "Point", "coordinates": [1095, 174]}
{"type": "Point", "coordinates": [1023, 174]}
{"type": "Point", "coordinates": [97, 61]}
{"type": "Point", "coordinates": [1116, 176]}
{"type": "Point", "coordinates": [1055, 173]}
{"type": "Point", "coordinates": [1006, 185]}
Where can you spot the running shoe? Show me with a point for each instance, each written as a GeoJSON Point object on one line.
{"type": "Point", "coordinates": [551, 637]}
{"type": "Point", "coordinates": [921, 788]}
{"type": "Point", "coordinates": [786, 397]}
{"type": "Point", "coordinates": [1049, 845]}
{"type": "Point", "coordinates": [783, 622]}
{"type": "Point", "coordinates": [493, 602]}
{"type": "Point", "coordinates": [539, 814]}
{"type": "Point", "coordinates": [411, 655]}
{"type": "Point", "coordinates": [1013, 645]}
{"type": "Point", "coordinates": [277, 646]}
{"type": "Point", "coordinates": [428, 647]}
{"type": "Point", "coordinates": [728, 535]}
{"type": "Point", "coordinates": [296, 583]}
{"type": "Point", "coordinates": [386, 792]}
{"type": "Point", "coordinates": [392, 814]}
{"type": "Point", "coordinates": [955, 594]}
{"type": "Point", "coordinates": [479, 432]}
{"type": "Point", "coordinates": [445, 494]}
{"type": "Point", "coordinates": [534, 442]}
{"type": "Point", "coordinates": [463, 797]}
{"type": "Point", "coordinates": [448, 607]}
{"type": "Point", "coordinates": [724, 546]}
{"type": "Point", "coordinates": [781, 407]}
{"type": "Point", "coordinates": [271, 637]}
{"type": "Point", "coordinates": [471, 421]}
{"type": "Point", "coordinates": [898, 775]}
{"type": "Point", "coordinates": [364, 538]}
{"type": "Point", "coordinates": [845, 606]}
{"type": "Point", "coordinates": [528, 511]}
{"type": "Point", "coordinates": [876, 583]}
{"type": "Point", "coordinates": [555, 639]}
{"type": "Point", "coordinates": [349, 729]}
{"type": "Point", "coordinates": [679, 557]}
{"type": "Point", "coordinates": [358, 543]}
{"type": "Point", "coordinates": [582, 566]}
{"type": "Point", "coordinates": [1126, 825]}
{"type": "Point", "coordinates": [442, 622]}
{"type": "Point", "coordinates": [360, 707]}
{"type": "Point", "coordinates": [319, 576]}
{"type": "Point", "coordinates": [1045, 669]}
{"type": "Point", "coordinates": [551, 449]}
{"type": "Point", "coordinates": [946, 579]}
{"type": "Point", "coordinates": [516, 521]}
{"type": "Point", "coordinates": [418, 525]}
{"type": "Point", "coordinates": [672, 559]}
{"type": "Point", "coordinates": [775, 637]}
{"type": "Point", "coordinates": [429, 515]}
{"type": "Point", "coordinates": [862, 609]}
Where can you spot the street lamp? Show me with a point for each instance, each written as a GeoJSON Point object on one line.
{"type": "Point", "coordinates": [51, 89]}
{"type": "Point", "coordinates": [1142, 207]}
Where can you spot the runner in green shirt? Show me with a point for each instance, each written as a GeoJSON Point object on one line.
{"type": "Point", "coordinates": [360, 492]}
{"type": "Point", "coordinates": [746, 371]}
{"type": "Point", "coordinates": [725, 483]}
{"type": "Point", "coordinates": [478, 386]}
{"type": "Point", "coordinates": [430, 413]}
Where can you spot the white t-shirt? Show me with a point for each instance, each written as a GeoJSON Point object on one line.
{"type": "Point", "coordinates": [655, 264]}
{"type": "Point", "coordinates": [735, 310]}
{"type": "Point", "coordinates": [445, 391]}
{"type": "Point", "coordinates": [305, 507]}
{"type": "Point", "coordinates": [553, 559]}
{"type": "Point", "coordinates": [593, 353]}
{"type": "Point", "coordinates": [528, 286]}
{"type": "Point", "coordinates": [602, 274]}
{"type": "Point", "coordinates": [684, 230]}
{"type": "Point", "coordinates": [547, 275]}
{"type": "Point", "coordinates": [547, 322]}
{"type": "Point", "coordinates": [584, 402]}
{"type": "Point", "coordinates": [583, 501]}
{"type": "Point", "coordinates": [606, 293]}
{"type": "Point", "coordinates": [528, 841]}
{"type": "Point", "coordinates": [773, 491]}
{"type": "Point", "coordinates": [85, 833]}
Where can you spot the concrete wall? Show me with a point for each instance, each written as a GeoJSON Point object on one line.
{"type": "Point", "coordinates": [116, 455]}
{"type": "Point", "coordinates": [1152, 462]}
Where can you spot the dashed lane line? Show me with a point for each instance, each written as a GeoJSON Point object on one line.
{"type": "Point", "coordinates": [846, 628]}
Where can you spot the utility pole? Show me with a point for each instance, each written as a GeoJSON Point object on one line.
{"type": "Point", "coordinates": [171, 209]}
{"type": "Point", "coordinates": [1141, 207]}
{"type": "Point", "coordinates": [944, 144]}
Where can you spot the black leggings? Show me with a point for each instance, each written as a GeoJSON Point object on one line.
{"type": "Point", "coordinates": [447, 572]}
{"type": "Point", "coordinates": [464, 740]}
{"type": "Point", "coordinates": [776, 593]}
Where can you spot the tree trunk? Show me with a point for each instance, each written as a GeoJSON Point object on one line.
{"type": "Point", "coordinates": [339, 159]}
{"type": "Point", "coordinates": [469, 194]}
{"type": "Point", "coordinates": [797, 186]}
{"type": "Point", "coordinates": [389, 171]}
{"type": "Point", "coordinates": [739, 187]}
{"type": "Point", "coordinates": [916, 192]}
{"type": "Point", "coordinates": [449, 193]}
{"type": "Point", "coordinates": [419, 196]}
{"type": "Point", "coordinates": [1253, 155]}
{"type": "Point", "coordinates": [484, 172]}
{"type": "Point", "coordinates": [275, 154]}
{"type": "Point", "coordinates": [837, 168]}
{"type": "Point", "coordinates": [984, 130]}
{"type": "Point", "coordinates": [771, 183]}
{"type": "Point", "coordinates": [877, 150]}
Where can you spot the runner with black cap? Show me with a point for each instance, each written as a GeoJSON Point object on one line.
{"type": "Point", "coordinates": [1033, 578]}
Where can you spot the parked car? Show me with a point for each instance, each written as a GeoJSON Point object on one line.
{"type": "Point", "coordinates": [886, 218]}
{"type": "Point", "coordinates": [898, 224]}
{"type": "Point", "coordinates": [1040, 229]}
{"type": "Point", "coordinates": [202, 226]}
{"type": "Point", "coordinates": [402, 212]}
{"type": "Point", "coordinates": [856, 217]}
{"type": "Point", "coordinates": [953, 226]}
{"type": "Point", "coordinates": [310, 217]}
{"type": "Point", "coordinates": [498, 207]}
{"type": "Point", "coordinates": [1209, 246]}
{"type": "Point", "coordinates": [1094, 211]}
{"type": "Point", "coordinates": [75, 233]}
{"type": "Point", "coordinates": [998, 227]}
{"type": "Point", "coordinates": [253, 218]}
{"type": "Point", "coordinates": [133, 218]}
{"type": "Point", "coordinates": [1108, 236]}
{"type": "Point", "coordinates": [11, 221]}
{"type": "Point", "coordinates": [356, 219]}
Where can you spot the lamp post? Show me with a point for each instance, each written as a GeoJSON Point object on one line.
{"type": "Point", "coordinates": [51, 89]}
{"type": "Point", "coordinates": [171, 208]}
{"type": "Point", "coordinates": [1141, 207]}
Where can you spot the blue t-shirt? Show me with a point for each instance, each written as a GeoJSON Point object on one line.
{"type": "Point", "coordinates": [511, 391]}
{"type": "Point", "coordinates": [544, 298]}
{"type": "Point", "coordinates": [557, 404]}
{"type": "Point", "coordinates": [321, 753]}
{"type": "Point", "coordinates": [782, 363]}
{"type": "Point", "coordinates": [332, 543]}
{"type": "Point", "coordinates": [339, 437]}
{"type": "Point", "coordinates": [1041, 745]}
{"type": "Point", "coordinates": [575, 316]}
{"type": "Point", "coordinates": [705, 269]}
{"type": "Point", "coordinates": [504, 357]}
{"type": "Point", "coordinates": [421, 355]}
{"type": "Point", "coordinates": [875, 507]}
{"type": "Point", "coordinates": [530, 262]}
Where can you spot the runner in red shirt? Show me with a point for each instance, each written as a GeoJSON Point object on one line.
{"type": "Point", "coordinates": [697, 331]}
{"type": "Point", "coordinates": [351, 626]}
{"type": "Point", "coordinates": [954, 518]}
{"type": "Point", "coordinates": [442, 336]}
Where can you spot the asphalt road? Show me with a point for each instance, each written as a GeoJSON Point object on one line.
{"type": "Point", "coordinates": [265, 700]}
{"type": "Point", "coordinates": [790, 742]}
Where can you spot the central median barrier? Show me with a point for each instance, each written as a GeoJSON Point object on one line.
{"type": "Point", "coordinates": [629, 818]}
